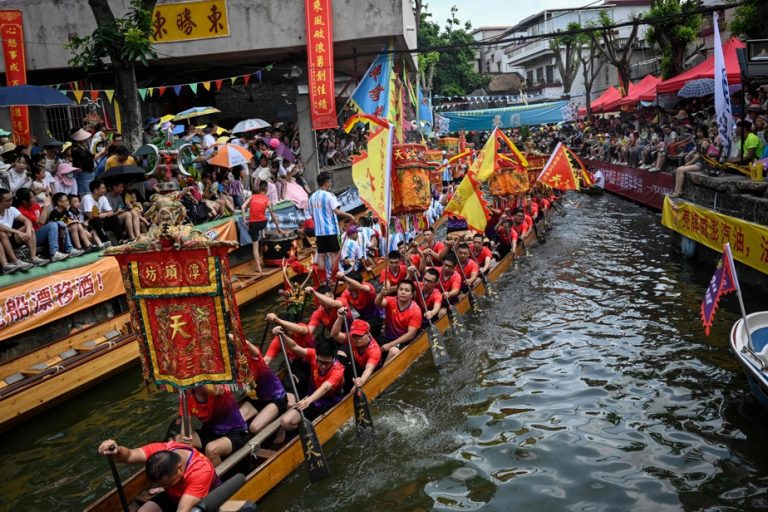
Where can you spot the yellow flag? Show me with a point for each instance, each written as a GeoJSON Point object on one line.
{"type": "Point", "coordinates": [484, 164]}
{"type": "Point", "coordinates": [468, 203]}
{"type": "Point", "coordinates": [371, 172]}
{"type": "Point", "coordinates": [78, 96]}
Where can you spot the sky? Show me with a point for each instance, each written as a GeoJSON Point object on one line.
{"type": "Point", "coordinates": [497, 12]}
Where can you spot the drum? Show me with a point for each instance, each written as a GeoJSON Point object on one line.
{"type": "Point", "coordinates": [411, 190]}
{"type": "Point", "coordinates": [278, 246]}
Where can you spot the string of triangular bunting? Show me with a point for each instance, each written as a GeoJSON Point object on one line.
{"type": "Point", "coordinates": [94, 94]}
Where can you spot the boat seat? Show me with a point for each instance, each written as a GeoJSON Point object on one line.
{"type": "Point", "coordinates": [41, 367]}
{"type": "Point", "coordinates": [90, 344]}
{"type": "Point", "coordinates": [68, 353]}
{"type": "Point", "coordinates": [114, 333]}
{"type": "Point", "coordinates": [234, 458]}
{"type": "Point", "coordinates": [14, 378]}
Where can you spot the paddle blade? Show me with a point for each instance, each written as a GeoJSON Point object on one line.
{"type": "Point", "coordinates": [437, 346]}
{"type": "Point", "coordinates": [314, 457]}
{"type": "Point", "coordinates": [363, 417]}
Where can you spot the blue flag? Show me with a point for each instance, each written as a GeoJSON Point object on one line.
{"type": "Point", "coordinates": [425, 108]}
{"type": "Point", "coordinates": [372, 93]}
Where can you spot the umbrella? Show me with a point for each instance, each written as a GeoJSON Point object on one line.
{"type": "Point", "coordinates": [32, 95]}
{"type": "Point", "coordinates": [124, 173]}
{"type": "Point", "coordinates": [231, 155]}
{"type": "Point", "coordinates": [697, 88]}
{"type": "Point", "coordinates": [195, 112]}
{"type": "Point", "coordinates": [250, 125]}
{"type": "Point", "coordinates": [281, 149]}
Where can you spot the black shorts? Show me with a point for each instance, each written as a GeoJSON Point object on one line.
{"type": "Point", "coordinates": [255, 229]}
{"type": "Point", "coordinates": [327, 243]}
{"type": "Point", "coordinates": [280, 403]}
{"type": "Point", "coordinates": [238, 438]}
{"type": "Point", "coordinates": [165, 503]}
{"type": "Point", "coordinates": [313, 412]}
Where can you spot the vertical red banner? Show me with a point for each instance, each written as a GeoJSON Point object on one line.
{"type": "Point", "coordinates": [12, 34]}
{"type": "Point", "coordinates": [322, 92]}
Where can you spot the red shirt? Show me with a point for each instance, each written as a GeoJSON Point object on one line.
{"type": "Point", "coordinates": [334, 375]}
{"type": "Point", "coordinates": [364, 302]}
{"type": "Point", "coordinates": [322, 316]}
{"type": "Point", "coordinates": [32, 213]}
{"type": "Point", "coordinates": [258, 208]}
{"type": "Point", "coordinates": [469, 267]}
{"type": "Point", "coordinates": [371, 354]}
{"type": "Point", "coordinates": [545, 204]}
{"type": "Point", "coordinates": [451, 283]}
{"type": "Point", "coordinates": [483, 255]}
{"type": "Point", "coordinates": [399, 320]}
{"type": "Point", "coordinates": [302, 340]}
{"type": "Point", "coordinates": [434, 297]}
{"type": "Point", "coordinates": [394, 279]}
{"type": "Point", "coordinates": [199, 475]}
{"type": "Point", "coordinates": [506, 237]}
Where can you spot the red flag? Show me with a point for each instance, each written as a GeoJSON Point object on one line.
{"type": "Point", "coordinates": [723, 282]}
{"type": "Point", "coordinates": [559, 172]}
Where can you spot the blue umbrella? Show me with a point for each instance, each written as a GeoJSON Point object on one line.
{"type": "Point", "coordinates": [195, 112]}
{"type": "Point", "coordinates": [33, 96]}
{"type": "Point", "coordinates": [697, 88]}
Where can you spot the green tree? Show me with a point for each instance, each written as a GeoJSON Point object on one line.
{"type": "Point", "coordinates": [749, 20]}
{"type": "Point", "coordinates": [566, 48]}
{"type": "Point", "coordinates": [123, 42]}
{"type": "Point", "coordinates": [672, 36]}
{"type": "Point", "coordinates": [616, 49]}
{"type": "Point", "coordinates": [454, 73]}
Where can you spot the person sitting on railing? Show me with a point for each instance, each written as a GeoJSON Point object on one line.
{"type": "Point", "coordinates": [81, 239]}
{"type": "Point", "coordinates": [46, 233]}
{"type": "Point", "coordinates": [184, 473]}
{"type": "Point", "coordinates": [692, 162]}
{"type": "Point", "coordinates": [751, 146]}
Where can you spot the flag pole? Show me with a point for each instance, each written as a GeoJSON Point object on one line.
{"type": "Point", "coordinates": [732, 268]}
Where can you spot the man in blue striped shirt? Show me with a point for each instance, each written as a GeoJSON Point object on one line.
{"type": "Point", "coordinates": [324, 209]}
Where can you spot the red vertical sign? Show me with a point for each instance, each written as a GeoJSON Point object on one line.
{"type": "Point", "coordinates": [322, 93]}
{"type": "Point", "coordinates": [12, 34]}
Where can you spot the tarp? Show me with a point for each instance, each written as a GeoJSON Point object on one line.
{"type": "Point", "coordinates": [644, 90]}
{"type": "Point", "coordinates": [707, 69]}
{"type": "Point", "coordinates": [611, 94]}
{"type": "Point", "coordinates": [615, 103]}
{"type": "Point", "coordinates": [506, 117]}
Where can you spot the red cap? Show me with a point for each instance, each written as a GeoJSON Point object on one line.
{"type": "Point", "coordinates": [359, 328]}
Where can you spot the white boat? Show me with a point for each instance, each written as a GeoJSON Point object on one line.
{"type": "Point", "coordinates": [754, 360]}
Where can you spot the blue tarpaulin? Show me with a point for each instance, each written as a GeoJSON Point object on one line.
{"type": "Point", "coordinates": [507, 117]}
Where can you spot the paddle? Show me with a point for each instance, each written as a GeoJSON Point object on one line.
{"type": "Point", "coordinates": [470, 293]}
{"type": "Point", "coordinates": [436, 341]}
{"type": "Point", "coordinates": [310, 444]}
{"type": "Point", "coordinates": [118, 483]}
{"type": "Point", "coordinates": [363, 418]}
{"type": "Point", "coordinates": [264, 336]}
{"type": "Point", "coordinates": [539, 237]}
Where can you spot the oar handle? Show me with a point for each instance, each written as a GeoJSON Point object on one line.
{"type": "Point", "coordinates": [288, 368]}
{"type": "Point", "coordinates": [118, 482]}
{"type": "Point", "coordinates": [351, 349]}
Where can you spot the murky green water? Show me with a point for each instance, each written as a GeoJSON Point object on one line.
{"type": "Point", "coordinates": [588, 385]}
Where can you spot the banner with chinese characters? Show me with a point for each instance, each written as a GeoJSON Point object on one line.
{"type": "Point", "coordinates": [31, 304]}
{"type": "Point", "coordinates": [648, 188]}
{"type": "Point", "coordinates": [322, 89]}
{"type": "Point", "coordinates": [12, 34]}
{"type": "Point", "coordinates": [182, 303]}
{"type": "Point", "coordinates": [749, 241]}
{"type": "Point", "coordinates": [187, 21]}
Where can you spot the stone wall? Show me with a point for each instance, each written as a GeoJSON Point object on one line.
{"type": "Point", "coordinates": [729, 194]}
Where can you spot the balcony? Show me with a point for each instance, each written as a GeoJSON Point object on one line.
{"type": "Point", "coordinates": [521, 53]}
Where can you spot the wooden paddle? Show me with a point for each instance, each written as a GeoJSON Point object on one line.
{"type": "Point", "coordinates": [363, 418]}
{"type": "Point", "coordinates": [118, 483]}
{"type": "Point", "coordinates": [314, 457]}
{"type": "Point", "coordinates": [436, 341]}
{"type": "Point", "coordinates": [470, 293]}
{"type": "Point", "coordinates": [264, 336]}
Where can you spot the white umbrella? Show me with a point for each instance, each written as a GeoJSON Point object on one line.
{"type": "Point", "coordinates": [250, 125]}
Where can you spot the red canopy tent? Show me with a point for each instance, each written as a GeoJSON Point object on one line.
{"type": "Point", "coordinates": [644, 90]}
{"type": "Point", "coordinates": [707, 69]}
{"type": "Point", "coordinates": [616, 103]}
{"type": "Point", "coordinates": [611, 94]}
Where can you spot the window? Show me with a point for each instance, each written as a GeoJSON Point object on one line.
{"type": "Point", "coordinates": [539, 74]}
{"type": "Point", "coordinates": [529, 78]}
{"type": "Point", "coordinates": [550, 74]}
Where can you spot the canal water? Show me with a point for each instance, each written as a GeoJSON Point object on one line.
{"type": "Point", "coordinates": [587, 384]}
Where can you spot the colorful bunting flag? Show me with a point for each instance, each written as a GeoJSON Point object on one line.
{"type": "Point", "coordinates": [246, 79]}
{"type": "Point", "coordinates": [177, 89]}
{"type": "Point", "coordinates": [218, 84]}
{"type": "Point", "coordinates": [559, 172]}
{"type": "Point", "coordinates": [206, 86]}
{"type": "Point", "coordinates": [78, 96]}
{"type": "Point", "coordinates": [94, 94]}
{"type": "Point", "coordinates": [160, 91]}
{"type": "Point", "coordinates": [110, 93]}
{"type": "Point", "coordinates": [468, 203]}
{"type": "Point", "coordinates": [143, 93]}
{"type": "Point", "coordinates": [193, 87]}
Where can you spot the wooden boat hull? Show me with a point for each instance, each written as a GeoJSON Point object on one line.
{"type": "Point", "coordinates": [275, 469]}
{"type": "Point", "coordinates": [754, 363]}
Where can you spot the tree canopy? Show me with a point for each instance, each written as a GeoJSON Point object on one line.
{"type": "Point", "coordinates": [749, 19]}
{"type": "Point", "coordinates": [454, 73]}
{"type": "Point", "coordinates": [672, 35]}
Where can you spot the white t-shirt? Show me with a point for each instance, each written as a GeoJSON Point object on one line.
{"type": "Point", "coordinates": [88, 202]}
{"type": "Point", "coordinates": [208, 140]}
{"type": "Point", "coordinates": [10, 215]}
{"type": "Point", "coordinates": [599, 178]}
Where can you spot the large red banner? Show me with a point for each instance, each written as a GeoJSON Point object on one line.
{"type": "Point", "coordinates": [648, 188]}
{"type": "Point", "coordinates": [322, 89]}
{"type": "Point", "coordinates": [12, 33]}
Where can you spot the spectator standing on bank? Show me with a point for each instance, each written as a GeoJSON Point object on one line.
{"type": "Point", "coordinates": [324, 208]}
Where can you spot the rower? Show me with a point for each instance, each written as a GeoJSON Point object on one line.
{"type": "Point", "coordinates": [352, 255]}
{"type": "Point", "coordinates": [433, 309]}
{"type": "Point", "coordinates": [481, 254]}
{"type": "Point", "coordinates": [450, 280]}
{"type": "Point", "coordinates": [402, 318]}
{"type": "Point", "coordinates": [520, 223]}
{"type": "Point", "coordinates": [469, 268]}
{"type": "Point", "coordinates": [366, 351]}
{"type": "Point", "coordinates": [325, 314]}
{"type": "Point", "coordinates": [506, 235]}
{"type": "Point", "coordinates": [360, 297]}
{"type": "Point", "coordinates": [184, 473]}
{"type": "Point", "coordinates": [302, 334]}
{"type": "Point", "coordinates": [432, 248]}
{"type": "Point", "coordinates": [270, 400]}
{"type": "Point", "coordinates": [223, 428]}
{"type": "Point", "coordinates": [394, 273]}
{"type": "Point", "coordinates": [325, 384]}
